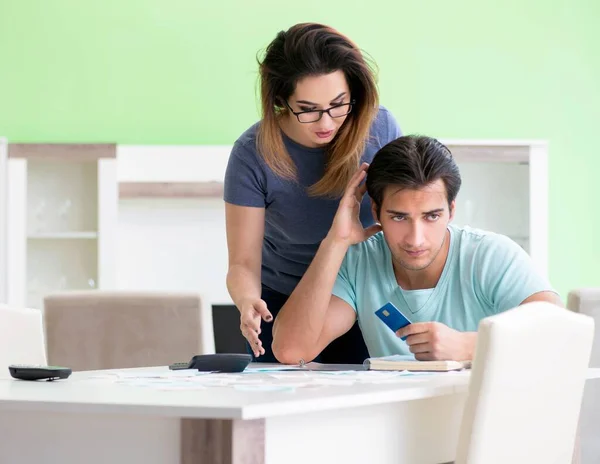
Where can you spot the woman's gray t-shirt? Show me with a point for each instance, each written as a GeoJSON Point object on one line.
{"type": "Point", "coordinates": [295, 223]}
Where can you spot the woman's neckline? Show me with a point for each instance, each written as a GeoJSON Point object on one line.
{"type": "Point", "coordinates": [288, 140]}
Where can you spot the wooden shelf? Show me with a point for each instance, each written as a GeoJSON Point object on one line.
{"type": "Point", "coordinates": [170, 190]}
{"type": "Point", "coordinates": [63, 151]}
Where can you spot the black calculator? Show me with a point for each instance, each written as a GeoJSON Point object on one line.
{"type": "Point", "coordinates": [223, 362]}
{"type": "Point", "coordinates": [33, 372]}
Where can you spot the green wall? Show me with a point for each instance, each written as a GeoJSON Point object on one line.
{"type": "Point", "coordinates": [184, 71]}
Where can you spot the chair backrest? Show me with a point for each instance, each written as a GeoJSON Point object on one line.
{"type": "Point", "coordinates": [21, 337]}
{"type": "Point", "coordinates": [93, 330]}
{"type": "Point", "coordinates": [587, 301]}
{"type": "Point", "coordinates": [526, 387]}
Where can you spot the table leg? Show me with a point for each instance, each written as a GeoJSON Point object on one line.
{"type": "Point", "coordinates": [219, 441]}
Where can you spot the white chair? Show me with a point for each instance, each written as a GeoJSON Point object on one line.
{"type": "Point", "coordinates": [526, 387]}
{"type": "Point", "coordinates": [587, 301]}
{"type": "Point", "coordinates": [21, 338]}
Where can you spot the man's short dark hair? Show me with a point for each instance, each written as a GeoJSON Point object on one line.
{"type": "Point", "coordinates": [412, 162]}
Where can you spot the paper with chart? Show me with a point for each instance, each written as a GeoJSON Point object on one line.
{"type": "Point", "coordinates": [255, 380]}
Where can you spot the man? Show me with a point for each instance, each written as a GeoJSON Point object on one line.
{"type": "Point", "coordinates": [445, 279]}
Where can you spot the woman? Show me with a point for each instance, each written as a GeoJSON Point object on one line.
{"type": "Point", "coordinates": [320, 120]}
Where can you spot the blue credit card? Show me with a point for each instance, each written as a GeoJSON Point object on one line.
{"type": "Point", "coordinates": [392, 317]}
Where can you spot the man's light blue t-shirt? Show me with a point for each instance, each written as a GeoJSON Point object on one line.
{"type": "Point", "coordinates": [485, 273]}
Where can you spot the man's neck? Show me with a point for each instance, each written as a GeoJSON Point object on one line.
{"type": "Point", "coordinates": [424, 278]}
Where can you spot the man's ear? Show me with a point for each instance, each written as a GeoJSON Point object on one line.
{"type": "Point", "coordinates": [452, 209]}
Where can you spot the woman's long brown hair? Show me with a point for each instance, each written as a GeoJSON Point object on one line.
{"type": "Point", "coordinates": [311, 49]}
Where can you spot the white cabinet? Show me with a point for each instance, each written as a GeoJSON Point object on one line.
{"type": "Point", "coordinates": [172, 222]}
{"type": "Point", "coordinates": [59, 227]}
{"type": "Point", "coordinates": [62, 218]}
{"type": "Point", "coordinates": [505, 190]}
{"type": "Point", "coordinates": [3, 219]}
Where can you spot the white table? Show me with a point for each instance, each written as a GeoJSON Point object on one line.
{"type": "Point", "coordinates": [92, 418]}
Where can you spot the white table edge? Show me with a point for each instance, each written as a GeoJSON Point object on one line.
{"type": "Point", "coordinates": [259, 410]}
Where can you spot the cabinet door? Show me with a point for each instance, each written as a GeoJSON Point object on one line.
{"type": "Point", "coordinates": [494, 196]}
{"type": "Point", "coordinates": [16, 231]}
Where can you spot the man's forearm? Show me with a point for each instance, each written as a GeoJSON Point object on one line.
{"type": "Point", "coordinates": [300, 322]}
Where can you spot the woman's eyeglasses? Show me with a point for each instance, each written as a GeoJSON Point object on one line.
{"type": "Point", "coordinates": [336, 111]}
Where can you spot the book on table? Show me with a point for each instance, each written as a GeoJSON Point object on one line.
{"type": "Point", "coordinates": [409, 363]}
